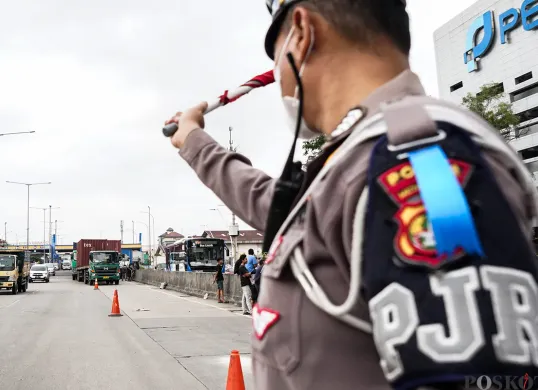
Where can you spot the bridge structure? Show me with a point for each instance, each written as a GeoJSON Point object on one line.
{"type": "Point", "coordinates": [125, 248]}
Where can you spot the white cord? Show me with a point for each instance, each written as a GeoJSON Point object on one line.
{"type": "Point", "coordinates": [312, 288]}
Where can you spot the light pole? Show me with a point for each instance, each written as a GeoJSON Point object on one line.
{"type": "Point", "coordinates": [148, 231]}
{"type": "Point", "coordinates": [133, 232]}
{"type": "Point", "coordinates": [233, 231]}
{"type": "Point", "coordinates": [5, 232]}
{"type": "Point", "coordinates": [150, 218]}
{"type": "Point", "coordinates": [50, 224]}
{"type": "Point", "coordinates": [44, 231]}
{"type": "Point", "coordinates": [17, 132]}
{"type": "Point", "coordinates": [28, 185]}
{"type": "Point", "coordinates": [56, 229]}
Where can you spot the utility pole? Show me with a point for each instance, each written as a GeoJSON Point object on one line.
{"type": "Point", "coordinates": [234, 229]}
{"type": "Point", "coordinates": [149, 233]}
{"type": "Point", "coordinates": [28, 185]}
{"type": "Point", "coordinates": [121, 228]}
{"type": "Point", "coordinates": [133, 233]}
{"type": "Point", "coordinates": [5, 233]}
{"type": "Point", "coordinates": [50, 225]}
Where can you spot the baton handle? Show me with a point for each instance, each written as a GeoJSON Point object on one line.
{"type": "Point", "coordinates": [170, 129]}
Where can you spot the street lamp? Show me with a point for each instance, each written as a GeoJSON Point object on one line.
{"type": "Point", "coordinates": [149, 232]}
{"type": "Point", "coordinates": [28, 208]}
{"type": "Point", "coordinates": [50, 224]}
{"type": "Point", "coordinates": [18, 132]}
{"type": "Point", "coordinates": [44, 231]}
{"type": "Point", "coordinates": [150, 218]}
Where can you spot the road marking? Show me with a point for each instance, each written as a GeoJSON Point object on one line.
{"type": "Point", "coordinates": [11, 304]}
{"type": "Point", "coordinates": [199, 303]}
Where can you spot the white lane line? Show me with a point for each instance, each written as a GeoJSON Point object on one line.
{"type": "Point", "coordinates": [11, 304]}
{"type": "Point", "coordinates": [199, 303]}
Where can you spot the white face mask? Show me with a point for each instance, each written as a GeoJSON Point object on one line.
{"type": "Point", "coordinates": [291, 104]}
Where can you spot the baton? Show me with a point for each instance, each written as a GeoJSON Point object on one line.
{"type": "Point", "coordinates": [227, 97]}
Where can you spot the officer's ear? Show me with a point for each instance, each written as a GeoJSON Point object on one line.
{"type": "Point", "coordinates": [303, 20]}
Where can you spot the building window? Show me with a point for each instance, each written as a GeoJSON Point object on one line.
{"type": "Point", "coordinates": [523, 78]}
{"type": "Point", "coordinates": [528, 153]}
{"type": "Point", "coordinates": [524, 92]}
{"type": "Point", "coordinates": [528, 115]}
{"type": "Point", "coordinates": [457, 86]}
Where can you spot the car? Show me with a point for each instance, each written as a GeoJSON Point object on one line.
{"type": "Point", "coordinates": [39, 272]}
{"type": "Point", "coordinates": [66, 264]}
{"type": "Point", "coordinates": [56, 266]}
{"type": "Point", "coordinates": [52, 270]}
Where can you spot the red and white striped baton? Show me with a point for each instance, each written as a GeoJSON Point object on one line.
{"type": "Point", "coordinates": [227, 97]}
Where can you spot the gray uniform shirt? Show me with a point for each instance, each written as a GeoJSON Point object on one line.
{"type": "Point", "coordinates": [295, 345]}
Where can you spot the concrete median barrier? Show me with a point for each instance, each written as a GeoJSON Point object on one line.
{"type": "Point", "coordinates": [192, 283]}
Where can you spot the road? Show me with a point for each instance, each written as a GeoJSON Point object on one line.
{"type": "Point", "coordinates": [59, 336]}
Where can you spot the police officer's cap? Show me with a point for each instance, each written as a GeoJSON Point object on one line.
{"type": "Point", "coordinates": [278, 9]}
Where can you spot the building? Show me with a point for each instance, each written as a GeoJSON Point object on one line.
{"type": "Point", "coordinates": [247, 239]}
{"type": "Point", "coordinates": [495, 41]}
{"type": "Point", "coordinates": [169, 237]}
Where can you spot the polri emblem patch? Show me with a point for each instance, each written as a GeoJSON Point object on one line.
{"type": "Point", "coordinates": [414, 243]}
{"type": "Point", "coordinates": [263, 320]}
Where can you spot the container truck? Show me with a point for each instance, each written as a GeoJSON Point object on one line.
{"type": "Point", "coordinates": [98, 259]}
{"type": "Point", "coordinates": [14, 272]}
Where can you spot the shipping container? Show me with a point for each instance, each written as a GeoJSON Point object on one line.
{"type": "Point", "coordinates": [84, 247]}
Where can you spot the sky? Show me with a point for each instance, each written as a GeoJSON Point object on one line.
{"type": "Point", "coordinates": [96, 80]}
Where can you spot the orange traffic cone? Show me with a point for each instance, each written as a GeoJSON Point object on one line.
{"type": "Point", "coordinates": [115, 306]}
{"type": "Point", "coordinates": [96, 285]}
{"type": "Point", "coordinates": [235, 373]}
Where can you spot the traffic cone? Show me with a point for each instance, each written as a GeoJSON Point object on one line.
{"type": "Point", "coordinates": [96, 285]}
{"type": "Point", "coordinates": [115, 306]}
{"type": "Point", "coordinates": [235, 373]}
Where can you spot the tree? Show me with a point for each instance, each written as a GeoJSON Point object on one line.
{"type": "Point", "coordinates": [489, 105]}
{"type": "Point", "coordinates": [312, 147]}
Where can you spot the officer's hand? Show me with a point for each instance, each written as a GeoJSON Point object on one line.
{"type": "Point", "coordinates": [187, 121]}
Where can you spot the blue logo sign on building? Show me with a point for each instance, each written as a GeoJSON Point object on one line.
{"type": "Point", "coordinates": [508, 21]}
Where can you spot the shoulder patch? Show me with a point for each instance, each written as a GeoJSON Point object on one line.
{"type": "Point", "coordinates": [263, 320]}
{"type": "Point", "coordinates": [414, 242]}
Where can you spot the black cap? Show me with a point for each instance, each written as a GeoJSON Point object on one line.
{"type": "Point", "coordinates": [278, 9]}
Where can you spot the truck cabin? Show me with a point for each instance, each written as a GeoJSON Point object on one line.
{"type": "Point", "coordinates": [8, 262]}
{"type": "Point", "coordinates": [104, 257]}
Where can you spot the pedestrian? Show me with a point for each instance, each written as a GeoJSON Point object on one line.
{"type": "Point", "coordinates": [258, 275]}
{"type": "Point", "coordinates": [251, 260]}
{"type": "Point", "coordinates": [238, 263]}
{"type": "Point", "coordinates": [219, 279]}
{"type": "Point", "coordinates": [246, 299]}
{"type": "Point", "coordinates": [393, 260]}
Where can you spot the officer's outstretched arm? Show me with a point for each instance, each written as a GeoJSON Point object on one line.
{"type": "Point", "coordinates": [245, 190]}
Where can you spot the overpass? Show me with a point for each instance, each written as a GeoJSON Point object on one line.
{"type": "Point", "coordinates": [60, 248]}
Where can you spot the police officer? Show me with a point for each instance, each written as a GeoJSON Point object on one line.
{"type": "Point", "coordinates": [352, 246]}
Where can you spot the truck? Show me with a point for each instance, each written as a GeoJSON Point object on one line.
{"type": "Point", "coordinates": [97, 259]}
{"type": "Point", "coordinates": [14, 272]}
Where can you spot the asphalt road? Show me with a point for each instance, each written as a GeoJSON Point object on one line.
{"type": "Point", "coordinates": [59, 336]}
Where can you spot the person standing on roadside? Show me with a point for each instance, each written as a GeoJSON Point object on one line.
{"type": "Point", "coordinates": [246, 299]}
{"type": "Point", "coordinates": [238, 263]}
{"type": "Point", "coordinates": [219, 279]}
{"type": "Point", "coordinates": [252, 261]}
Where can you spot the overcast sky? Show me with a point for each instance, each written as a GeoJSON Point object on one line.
{"type": "Point", "coordinates": [95, 80]}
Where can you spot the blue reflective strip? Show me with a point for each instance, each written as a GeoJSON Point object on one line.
{"type": "Point", "coordinates": [446, 205]}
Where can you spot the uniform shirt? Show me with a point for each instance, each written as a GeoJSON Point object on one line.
{"type": "Point", "coordinates": [295, 345]}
